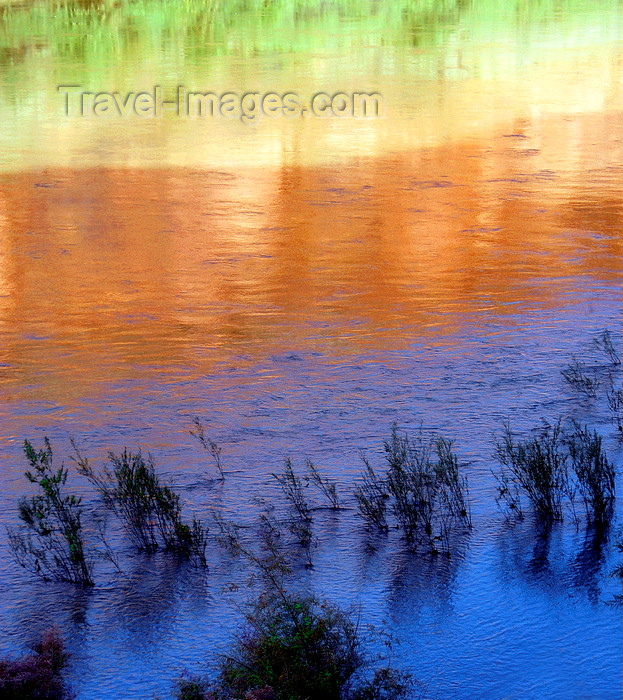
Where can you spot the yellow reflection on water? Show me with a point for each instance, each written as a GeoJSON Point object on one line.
{"type": "Point", "coordinates": [446, 71]}
{"type": "Point", "coordinates": [166, 268]}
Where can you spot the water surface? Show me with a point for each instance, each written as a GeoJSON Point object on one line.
{"type": "Point", "coordinates": [300, 285]}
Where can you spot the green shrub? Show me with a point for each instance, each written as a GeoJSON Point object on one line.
{"type": "Point", "coordinates": [51, 545]}
{"type": "Point", "coordinates": [296, 648]}
{"type": "Point", "coordinates": [149, 510]}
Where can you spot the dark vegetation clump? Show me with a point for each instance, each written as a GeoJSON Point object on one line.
{"type": "Point", "coordinates": [327, 487]}
{"type": "Point", "coordinates": [427, 492]}
{"type": "Point", "coordinates": [615, 404]}
{"type": "Point", "coordinates": [298, 648]}
{"type": "Point", "coordinates": [603, 343]}
{"type": "Point", "coordinates": [36, 676]}
{"type": "Point", "coordinates": [551, 468]}
{"type": "Point", "coordinates": [371, 496]}
{"type": "Point", "coordinates": [51, 543]}
{"type": "Point", "coordinates": [586, 379]}
{"type": "Point", "coordinates": [579, 376]}
{"type": "Point", "coordinates": [293, 647]}
{"type": "Point", "coordinates": [537, 467]}
{"type": "Point", "coordinates": [149, 510]}
{"type": "Point", "coordinates": [595, 475]}
{"type": "Point", "coordinates": [300, 525]}
{"type": "Point", "coordinates": [292, 487]}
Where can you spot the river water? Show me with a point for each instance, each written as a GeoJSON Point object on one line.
{"type": "Point", "coordinates": [302, 283]}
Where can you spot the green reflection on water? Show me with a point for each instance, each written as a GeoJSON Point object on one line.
{"type": "Point", "coordinates": [92, 34]}
{"type": "Point", "coordinates": [413, 52]}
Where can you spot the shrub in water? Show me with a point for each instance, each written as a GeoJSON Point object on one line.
{"type": "Point", "coordinates": [538, 467]}
{"type": "Point", "coordinates": [298, 648]}
{"type": "Point", "coordinates": [615, 404]}
{"type": "Point", "coordinates": [552, 468]}
{"type": "Point", "coordinates": [51, 544]}
{"type": "Point", "coordinates": [603, 343]}
{"type": "Point", "coordinates": [209, 445]}
{"type": "Point", "coordinates": [38, 675]}
{"type": "Point", "coordinates": [429, 494]}
{"type": "Point", "coordinates": [292, 487]}
{"type": "Point", "coordinates": [594, 473]}
{"type": "Point", "coordinates": [149, 510]}
{"type": "Point", "coordinates": [326, 487]}
{"type": "Point", "coordinates": [371, 497]}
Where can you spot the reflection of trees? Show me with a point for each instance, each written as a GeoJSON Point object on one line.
{"type": "Point", "coordinates": [144, 266]}
{"type": "Point", "coordinates": [589, 560]}
{"type": "Point", "coordinates": [202, 30]}
{"type": "Point", "coordinates": [419, 582]}
{"type": "Point", "coordinates": [551, 559]}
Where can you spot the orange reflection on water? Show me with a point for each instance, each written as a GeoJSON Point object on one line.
{"type": "Point", "coordinates": [162, 268]}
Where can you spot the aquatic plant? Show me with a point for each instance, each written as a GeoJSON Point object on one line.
{"type": "Point", "coordinates": [429, 494]}
{"type": "Point", "coordinates": [300, 525]}
{"type": "Point", "coordinates": [584, 379]}
{"type": "Point", "coordinates": [371, 496]}
{"type": "Point", "coordinates": [538, 467]}
{"type": "Point", "coordinates": [298, 648]}
{"type": "Point", "coordinates": [325, 486]}
{"type": "Point", "coordinates": [576, 374]}
{"type": "Point", "coordinates": [615, 404]}
{"type": "Point", "coordinates": [552, 468]}
{"type": "Point", "coordinates": [209, 445]}
{"type": "Point", "coordinates": [604, 344]}
{"type": "Point", "coordinates": [52, 543]}
{"type": "Point", "coordinates": [36, 676]}
{"type": "Point", "coordinates": [149, 510]}
{"type": "Point", "coordinates": [191, 688]}
{"type": "Point", "coordinates": [292, 487]}
{"type": "Point", "coordinates": [595, 474]}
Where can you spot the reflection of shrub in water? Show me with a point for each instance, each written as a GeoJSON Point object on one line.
{"type": "Point", "coordinates": [553, 558]}
{"type": "Point", "coordinates": [618, 574]}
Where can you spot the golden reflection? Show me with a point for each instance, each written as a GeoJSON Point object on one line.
{"type": "Point", "coordinates": [169, 267]}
